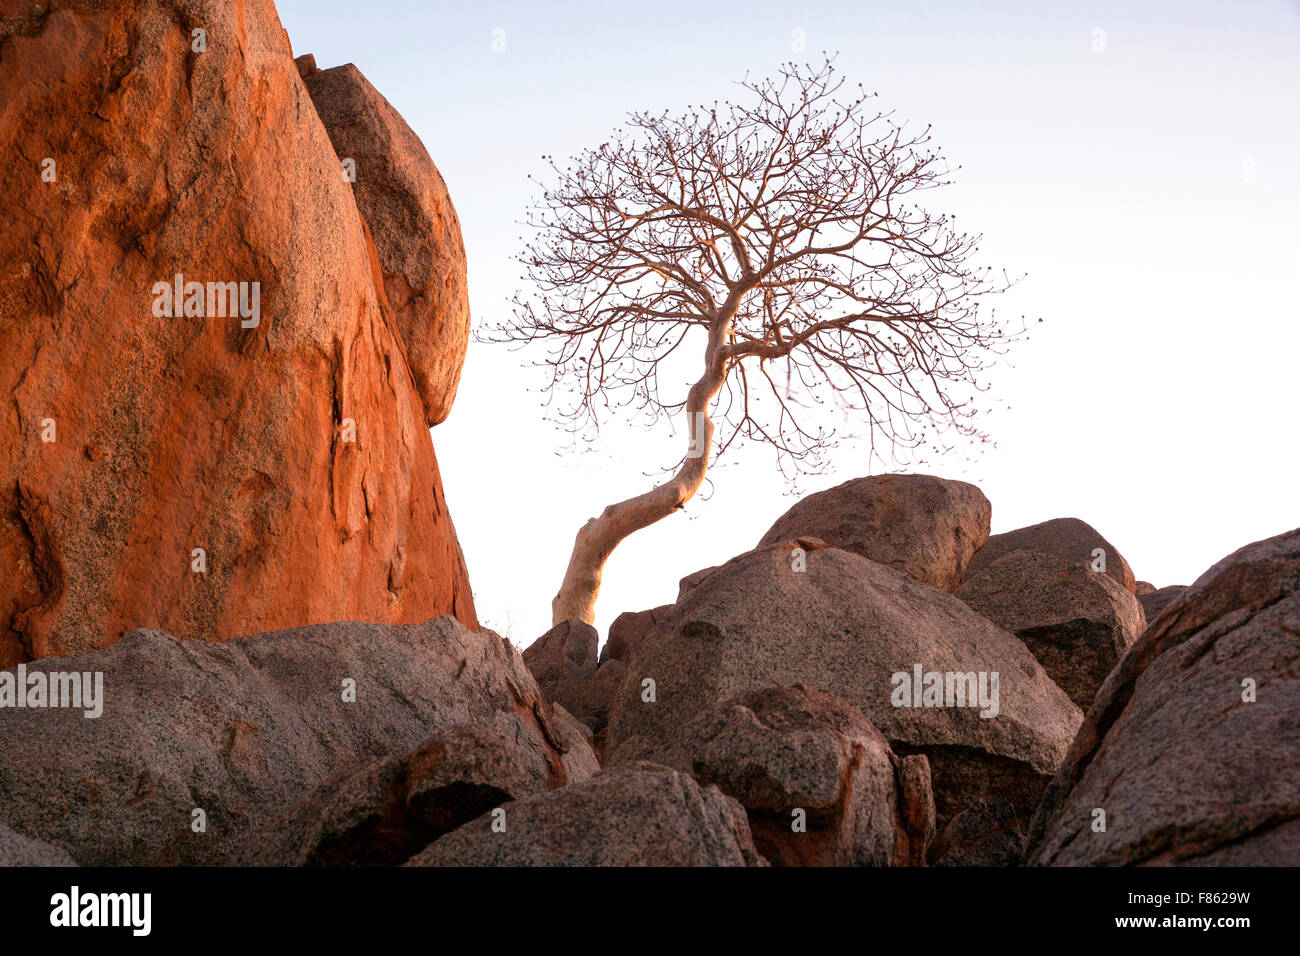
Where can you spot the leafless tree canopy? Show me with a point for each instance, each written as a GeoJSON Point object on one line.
{"type": "Point", "coordinates": [790, 218]}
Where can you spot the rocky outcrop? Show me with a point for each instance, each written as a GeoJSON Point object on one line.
{"type": "Point", "coordinates": [208, 410]}
{"type": "Point", "coordinates": [231, 734]}
{"type": "Point", "coordinates": [385, 813]}
{"type": "Point", "coordinates": [564, 663]}
{"type": "Point", "coordinates": [639, 815]}
{"type": "Point", "coordinates": [847, 626]}
{"type": "Point", "coordinates": [926, 527]}
{"type": "Point", "coordinates": [1077, 622]}
{"type": "Point", "coordinates": [1076, 541]}
{"type": "Point", "coordinates": [1191, 752]}
{"type": "Point", "coordinates": [18, 850]}
{"type": "Point", "coordinates": [818, 782]}
{"type": "Point", "coordinates": [417, 235]}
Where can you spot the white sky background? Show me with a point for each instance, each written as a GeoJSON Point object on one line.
{"type": "Point", "coordinates": [1152, 193]}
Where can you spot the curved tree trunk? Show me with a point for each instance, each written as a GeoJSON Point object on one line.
{"type": "Point", "coordinates": [598, 538]}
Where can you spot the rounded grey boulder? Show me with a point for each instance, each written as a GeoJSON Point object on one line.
{"type": "Point", "coordinates": [1072, 539]}
{"type": "Point", "coordinates": [929, 528]}
{"type": "Point", "coordinates": [1077, 622]}
{"type": "Point", "coordinates": [639, 815]}
{"type": "Point", "coordinates": [819, 783]}
{"type": "Point", "coordinates": [242, 730]}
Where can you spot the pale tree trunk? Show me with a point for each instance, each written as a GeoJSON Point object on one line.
{"type": "Point", "coordinates": [598, 538]}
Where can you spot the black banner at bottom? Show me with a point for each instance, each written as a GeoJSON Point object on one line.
{"type": "Point", "coordinates": [372, 905]}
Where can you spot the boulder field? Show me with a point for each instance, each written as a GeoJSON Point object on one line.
{"type": "Point", "coordinates": [783, 677]}
{"type": "Point", "coordinates": [799, 705]}
{"type": "Point", "coordinates": [849, 627]}
{"type": "Point", "coordinates": [201, 744]}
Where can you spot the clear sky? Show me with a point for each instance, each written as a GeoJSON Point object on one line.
{"type": "Point", "coordinates": [1140, 160]}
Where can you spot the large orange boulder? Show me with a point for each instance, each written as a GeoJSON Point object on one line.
{"type": "Point", "coordinates": [405, 202]}
{"type": "Point", "coordinates": [208, 423]}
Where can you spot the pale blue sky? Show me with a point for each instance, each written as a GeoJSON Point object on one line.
{"type": "Point", "coordinates": [1151, 191]}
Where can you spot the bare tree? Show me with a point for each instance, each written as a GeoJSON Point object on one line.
{"type": "Point", "coordinates": [782, 230]}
